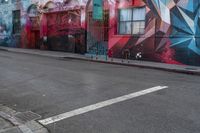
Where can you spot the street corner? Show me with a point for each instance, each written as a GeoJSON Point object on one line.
{"type": "Point", "coordinates": [12, 121]}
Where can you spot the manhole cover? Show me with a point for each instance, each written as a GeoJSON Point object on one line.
{"type": "Point", "coordinates": [27, 116]}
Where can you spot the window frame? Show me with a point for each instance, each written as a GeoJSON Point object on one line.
{"type": "Point", "coordinates": [130, 21]}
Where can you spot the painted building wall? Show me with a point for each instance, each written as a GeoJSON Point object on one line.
{"type": "Point", "coordinates": [64, 26]}
{"type": "Point", "coordinates": [21, 39]}
{"type": "Point", "coordinates": [6, 10]}
{"type": "Point", "coordinates": [171, 28]}
{"type": "Point", "coordinates": [171, 33]}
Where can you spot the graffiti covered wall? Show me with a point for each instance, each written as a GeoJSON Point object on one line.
{"type": "Point", "coordinates": [171, 32]}
{"type": "Point", "coordinates": [168, 30]}
{"type": "Point", "coordinates": [64, 28]}
{"type": "Point", "coordinates": [12, 11]}
{"type": "Point", "coordinates": [6, 22]}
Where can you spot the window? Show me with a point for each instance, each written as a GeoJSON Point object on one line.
{"type": "Point", "coordinates": [132, 21]}
{"type": "Point", "coordinates": [16, 22]}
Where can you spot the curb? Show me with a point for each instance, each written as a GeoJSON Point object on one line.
{"type": "Point", "coordinates": [191, 72]}
{"type": "Point", "coordinates": [184, 71]}
{"type": "Point", "coordinates": [150, 67]}
{"type": "Point", "coordinates": [1, 49]}
{"type": "Point", "coordinates": [18, 124]}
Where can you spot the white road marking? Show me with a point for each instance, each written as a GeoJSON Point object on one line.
{"type": "Point", "coordinates": [99, 105]}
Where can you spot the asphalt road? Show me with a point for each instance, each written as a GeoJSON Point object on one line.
{"type": "Point", "coordinates": [50, 87]}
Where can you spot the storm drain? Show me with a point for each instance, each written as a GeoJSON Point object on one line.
{"type": "Point", "coordinates": [27, 116]}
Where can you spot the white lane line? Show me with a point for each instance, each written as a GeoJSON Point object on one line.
{"type": "Point", "coordinates": [99, 105]}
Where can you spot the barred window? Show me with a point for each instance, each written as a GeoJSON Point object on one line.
{"type": "Point", "coordinates": [132, 21]}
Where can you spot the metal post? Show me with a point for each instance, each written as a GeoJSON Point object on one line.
{"type": "Point", "coordinates": [106, 54]}
{"type": "Point", "coordinates": [97, 53]}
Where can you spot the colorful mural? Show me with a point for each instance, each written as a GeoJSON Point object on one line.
{"type": "Point", "coordinates": [179, 24]}
{"type": "Point", "coordinates": [157, 30]}
{"type": "Point", "coordinates": [64, 31]}
{"type": "Point", "coordinates": [63, 26]}
{"type": "Point", "coordinates": [5, 27]}
{"type": "Point", "coordinates": [171, 34]}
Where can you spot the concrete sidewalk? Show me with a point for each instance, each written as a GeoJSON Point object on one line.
{"type": "Point", "coordinates": [134, 63]}
{"type": "Point", "coordinates": [19, 122]}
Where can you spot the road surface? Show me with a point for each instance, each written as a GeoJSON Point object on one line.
{"type": "Point", "coordinates": [52, 87]}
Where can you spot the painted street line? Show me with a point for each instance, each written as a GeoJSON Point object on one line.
{"type": "Point", "coordinates": [99, 105]}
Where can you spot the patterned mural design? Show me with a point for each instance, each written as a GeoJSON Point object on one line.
{"type": "Point", "coordinates": [64, 31]}
{"type": "Point", "coordinates": [5, 26]}
{"type": "Point", "coordinates": [172, 33]}
{"type": "Point", "coordinates": [63, 25]}
{"type": "Point", "coordinates": [181, 21]}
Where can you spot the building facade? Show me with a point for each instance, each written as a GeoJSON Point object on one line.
{"type": "Point", "coordinates": [165, 31]}
{"type": "Point", "coordinates": [14, 17]}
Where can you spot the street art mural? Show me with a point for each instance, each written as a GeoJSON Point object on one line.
{"type": "Point", "coordinates": [171, 33]}
{"type": "Point", "coordinates": [62, 25]}
{"type": "Point", "coordinates": [181, 30]}
{"type": "Point", "coordinates": [3, 34]}
{"type": "Point", "coordinates": [5, 26]}
{"type": "Point", "coordinates": [64, 30]}
{"type": "Point", "coordinates": [30, 29]}
{"type": "Point", "coordinates": [157, 30]}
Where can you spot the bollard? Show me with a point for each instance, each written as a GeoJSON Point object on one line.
{"type": "Point", "coordinates": [110, 54]}
{"type": "Point", "coordinates": [106, 54]}
{"type": "Point", "coordinates": [126, 55]}
{"type": "Point", "coordinates": [97, 55]}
